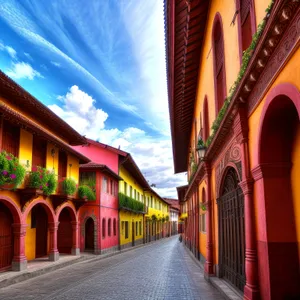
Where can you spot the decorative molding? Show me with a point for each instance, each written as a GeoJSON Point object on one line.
{"type": "Point", "coordinates": [276, 56]}
{"type": "Point", "coordinates": [271, 170]}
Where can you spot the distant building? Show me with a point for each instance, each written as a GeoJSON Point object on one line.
{"type": "Point", "coordinates": [174, 215]}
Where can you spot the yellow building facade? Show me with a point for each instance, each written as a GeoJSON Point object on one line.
{"type": "Point", "coordinates": [35, 212]}
{"type": "Point", "coordinates": [234, 108]}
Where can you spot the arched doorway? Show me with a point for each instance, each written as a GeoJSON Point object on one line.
{"type": "Point", "coordinates": [279, 199]}
{"type": "Point", "coordinates": [89, 235]}
{"type": "Point", "coordinates": [65, 232]}
{"type": "Point", "coordinates": [6, 237]}
{"type": "Point", "coordinates": [39, 222]}
{"type": "Point", "coordinates": [232, 231]}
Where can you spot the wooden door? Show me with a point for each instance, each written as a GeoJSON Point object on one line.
{"type": "Point", "coordinates": [89, 235]}
{"type": "Point", "coordinates": [232, 231]}
{"type": "Point", "coordinates": [6, 238]}
{"type": "Point", "coordinates": [41, 220]}
{"type": "Point", "coordinates": [64, 232]}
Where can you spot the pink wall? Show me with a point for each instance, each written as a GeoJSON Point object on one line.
{"type": "Point", "coordinates": [100, 155]}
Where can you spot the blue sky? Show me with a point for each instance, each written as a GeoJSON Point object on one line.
{"type": "Point", "coordinates": [100, 65]}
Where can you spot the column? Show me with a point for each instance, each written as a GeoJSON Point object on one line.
{"type": "Point", "coordinates": [75, 239]}
{"type": "Point", "coordinates": [251, 290]}
{"type": "Point", "coordinates": [19, 262]}
{"type": "Point", "coordinates": [54, 254]}
{"type": "Point", "coordinates": [208, 267]}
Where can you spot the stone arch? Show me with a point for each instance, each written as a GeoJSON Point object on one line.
{"type": "Point", "coordinates": [14, 209]}
{"type": "Point", "coordinates": [83, 224]}
{"type": "Point", "coordinates": [277, 197]}
{"type": "Point", "coordinates": [68, 206]}
{"type": "Point", "coordinates": [45, 204]}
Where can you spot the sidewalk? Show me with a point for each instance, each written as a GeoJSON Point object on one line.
{"type": "Point", "coordinates": [41, 266]}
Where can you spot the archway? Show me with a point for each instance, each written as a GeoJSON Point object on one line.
{"type": "Point", "coordinates": [65, 231]}
{"type": "Point", "coordinates": [39, 216]}
{"type": "Point", "coordinates": [6, 237]}
{"type": "Point", "coordinates": [279, 197]}
{"type": "Point", "coordinates": [231, 231]}
{"type": "Point", "coordinates": [89, 235]}
{"type": "Point", "coordinates": [39, 222]}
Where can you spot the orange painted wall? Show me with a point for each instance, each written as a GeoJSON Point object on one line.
{"type": "Point", "coordinates": [287, 75]}
{"type": "Point", "coordinates": [202, 235]}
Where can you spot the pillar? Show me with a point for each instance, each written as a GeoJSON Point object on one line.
{"type": "Point", "coordinates": [19, 262]}
{"type": "Point", "coordinates": [208, 267]}
{"type": "Point", "coordinates": [75, 239]}
{"type": "Point", "coordinates": [251, 290]}
{"type": "Point", "coordinates": [53, 254]}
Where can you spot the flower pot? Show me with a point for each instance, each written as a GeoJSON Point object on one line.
{"type": "Point", "coordinates": [8, 186]}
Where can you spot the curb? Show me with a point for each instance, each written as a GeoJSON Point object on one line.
{"type": "Point", "coordinates": [219, 284]}
{"type": "Point", "coordinates": [29, 275]}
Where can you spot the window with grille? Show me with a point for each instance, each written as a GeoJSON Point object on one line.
{"type": "Point", "coordinates": [136, 228]}
{"type": "Point", "coordinates": [103, 228]}
{"type": "Point", "coordinates": [10, 138]}
{"type": "Point", "coordinates": [140, 227]}
{"type": "Point", "coordinates": [109, 227]}
{"type": "Point", "coordinates": [115, 227]}
{"type": "Point", "coordinates": [126, 229]}
{"type": "Point", "coordinates": [219, 65]}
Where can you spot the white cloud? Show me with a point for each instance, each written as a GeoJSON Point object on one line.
{"type": "Point", "coordinates": [28, 56]}
{"type": "Point", "coordinates": [56, 64]}
{"type": "Point", "coordinates": [153, 155]}
{"type": "Point", "coordinates": [10, 50]}
{"type": "Point", "coordinates": [22, 70]}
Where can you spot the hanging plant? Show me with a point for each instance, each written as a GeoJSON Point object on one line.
{"type": "Point", "coordinates": [85, 192]}
{"type": "Point", "coordinates": [69, 186]}
{"type": "Point", "coordinates": [203, 206]}
{"type": "Point", "coordinates": [154, 217]}
{"type": "Point", "coordinates": [12, 173]}
{"type": "Point", "coordinates": [167, 218]}
{"type": "Point", "coordinates": [43, 179]}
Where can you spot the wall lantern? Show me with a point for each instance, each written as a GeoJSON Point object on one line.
{"type": "Point", "coordinates": [201, 149]}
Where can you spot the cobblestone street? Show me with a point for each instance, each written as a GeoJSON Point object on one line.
{"type": "Point", "coordinates": [163, 270]}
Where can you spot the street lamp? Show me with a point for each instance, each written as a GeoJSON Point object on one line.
{"type": "Point", "coordinates": [201, 148]}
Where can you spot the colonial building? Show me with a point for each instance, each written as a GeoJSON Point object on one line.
{"type": "Point", "coordinates": [39, 171]}
{"type": "Point", "coordinates": [99, 218]}
{"type": "Point", "coordinates": [157, 217]}
{"type": "Point", "coordinates": [233, 84]}
{"type": "Point", "coordinates": [174, 215]}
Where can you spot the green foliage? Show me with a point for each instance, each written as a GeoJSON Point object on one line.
{"type": "Point", "coordinates": [128, 202]}
{"type": "Point", "coordinates": [154, 217]}
{"type": "Point", "coordinates": [11, 171]}
{"type": "Point", "coordinates": [69, 186]}
{"type": "Point", "coordinates": [203, 206]}
{"type": "Point", "coordinates": [43, 179]}
{"type": "Point", "coordinates": [86, 191]}
{"type": "Point", "coordinates": [90, 182]}
{"type": "Point", "coordinates": [163, 219]}
{"type": "Point", "coordinates": [167, 218]}
{"type": "Point", "coordinates": [200, 143]}
{"type": "Point", "coordinates": [247, 54]}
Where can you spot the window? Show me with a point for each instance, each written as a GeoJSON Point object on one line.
{"type": "Point", "coordinates": [203, 222]}
{"type": "Point", "coordinates": [39, 151]}
{"type": "Point", "coordinates": [205, 120]}
{"type": "Point", "coordinates": [136, 228]}
{"type": "Point", "coordinates": [130, 188]}
{"type": "Point", "coordinates": [122, 227]}
{"type": "Point", "coordinates": [138, 196]}
{"type": "Point", "coordinates": [219, 64]}
{"type": "Point", "coordinates": [103, 228]}
{"type": "Point", "coordinates": [109, 227]}
{"type": "Point", "coordinates": [125, 188]}
{"type": "Point", "coordinates": [89, 179]}
{"type": "Point", "coordinates": [134, 194]}
{"type": "Point", "coordinates": [126, 230]}
{"type": "Point", "coordinates": [140, 227]}
{"type": "Point", "coordinates": [104, 184]}
{"type": "Point", "coordinates": [246, 23]}
{"type": "Point", "coordinates": [115, 227]}
{"type": "Point", "coordinates": [62, 164]}
{"type": "Point", "coordinates": [10, 138]}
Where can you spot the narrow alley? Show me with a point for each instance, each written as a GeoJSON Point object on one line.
{"type": "Point", "coordinates": [162, 270]}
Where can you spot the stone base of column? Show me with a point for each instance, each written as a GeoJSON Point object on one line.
{"type": "Point", "coordinates": [75, 251]}
{"type": "Point", "coordinates": [19, 265]}
{"type": "Point", "coordinates": [54, 256]}
{"type": "Point", "coordinates": [251, 293]}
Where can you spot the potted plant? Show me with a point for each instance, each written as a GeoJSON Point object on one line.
{"type": "Point", "coordinates": [69, 186]}
{"type": "Point", "coordinates": [86, 193]}
{"type": "Point", "coordinates": [154, 217]}
{"type": "Point", "coordinates": [12, 173]}
{"type": "Point", "coordinates": [167, 218]}
{"type": "Point", "coordinates": [43, 179]}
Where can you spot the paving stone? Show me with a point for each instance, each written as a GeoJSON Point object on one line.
{"type": "Point", "coordinates": [162, 270]}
